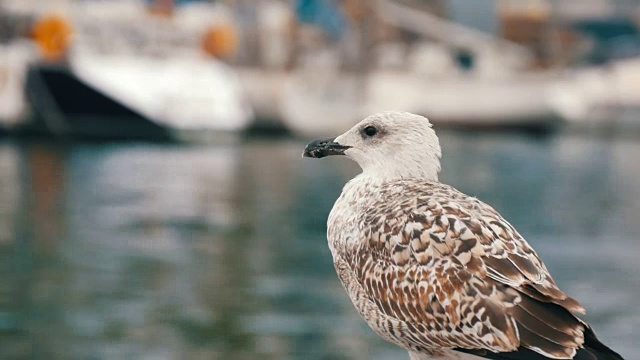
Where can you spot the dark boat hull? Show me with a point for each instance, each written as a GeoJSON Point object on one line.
{"type": "Point", "coordinates": [66, 107]}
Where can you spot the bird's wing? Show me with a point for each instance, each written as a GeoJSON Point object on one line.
{"type": "Point", "coordinates": [454, 273]}
{"type": "Point", "coordinates": [508, 258]}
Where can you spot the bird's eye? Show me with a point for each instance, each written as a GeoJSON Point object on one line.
{"type": "Point", "coordinates": [370, 131]}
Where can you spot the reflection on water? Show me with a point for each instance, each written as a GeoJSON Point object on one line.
{"type": "Point", "coordinates": [121, 251]}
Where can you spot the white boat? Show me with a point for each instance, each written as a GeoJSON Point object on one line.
{"type": "Point", "coordinates": [333, 107]}
{"type": "Point", "coordinates": [194, 98]}
{"type": "Point", "coordinates": [15, 58]}
{"type": "Point", "coordinates": [499, 91]}
{"type": "Point", "coordinates": [585, 96]}
{"type": "Point", "coordinates": [161, 72]}
{"type": "Point", "coordinates": [155, 65]}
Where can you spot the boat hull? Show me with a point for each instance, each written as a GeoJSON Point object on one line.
{"type": "Point", "coordinates": [64, 106]}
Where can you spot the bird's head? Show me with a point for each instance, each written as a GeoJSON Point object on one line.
{"type": "Point", "coordinates": [388, 145]}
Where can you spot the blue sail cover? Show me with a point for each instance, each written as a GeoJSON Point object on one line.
{"type": "Point", "coordinates": [326, 14]}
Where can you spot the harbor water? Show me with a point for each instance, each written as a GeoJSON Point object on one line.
{"type": "Point", "coordinates": [153, 251]}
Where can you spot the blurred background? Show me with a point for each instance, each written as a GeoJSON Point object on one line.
{"type": "Point", "coordinates": [153, 199]}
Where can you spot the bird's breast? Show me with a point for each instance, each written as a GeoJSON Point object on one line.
{"type": "Point", "coordinates": [346, 217]}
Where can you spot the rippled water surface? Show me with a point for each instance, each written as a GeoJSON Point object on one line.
{"type": "Point", "coordinates": [146, 251]}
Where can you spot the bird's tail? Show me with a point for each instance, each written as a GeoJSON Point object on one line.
{"type": "Point", "coordinates": [595, 350]}
{"type": "Point", "coordinates": [592, 349]}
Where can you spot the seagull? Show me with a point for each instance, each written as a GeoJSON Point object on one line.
{"type": "Point", "coordinates": [437, 272]}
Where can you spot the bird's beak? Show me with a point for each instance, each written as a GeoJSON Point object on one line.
{"type": "Point", "coordinates": [324, 147]}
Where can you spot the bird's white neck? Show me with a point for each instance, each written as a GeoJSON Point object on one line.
{"type": "Point", "coordinates": [415, 164]}
{"type": "Point", "coordinates": [401, 170]}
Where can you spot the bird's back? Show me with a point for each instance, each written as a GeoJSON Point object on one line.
{"type": "Point", "coordinates": [429, 268]}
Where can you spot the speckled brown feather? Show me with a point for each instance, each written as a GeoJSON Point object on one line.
{"type": "Point", "coordinates": [429, 267]}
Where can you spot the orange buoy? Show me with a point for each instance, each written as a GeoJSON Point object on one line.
{"type": "Point", "coordinates": [220, 41]}
{"type": "Point", "coordinates": [52, 34]}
